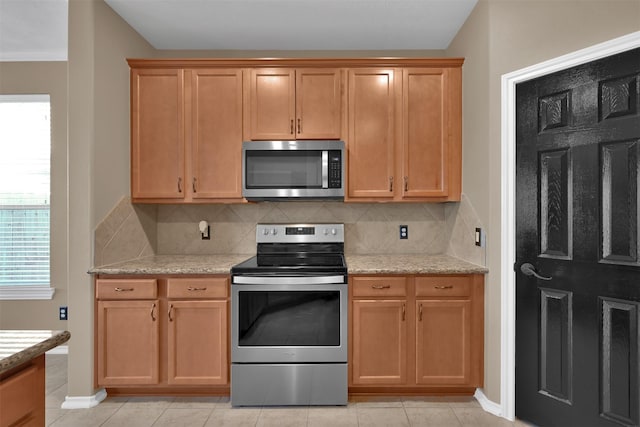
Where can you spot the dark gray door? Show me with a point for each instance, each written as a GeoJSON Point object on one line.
{"type": "Point", "coordinates": [577, 324]}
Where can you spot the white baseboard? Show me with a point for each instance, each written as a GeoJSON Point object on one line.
{"type": "Point", "coordinates": [61, 349]}
{"type": "Point", "coordinates": [84, 402]}
{"type": "Point", "coordinates": [488, 405]}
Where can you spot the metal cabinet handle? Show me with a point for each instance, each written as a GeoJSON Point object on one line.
{"type": "Point", "coordinates": [169, 312]}
{"type": "Point", "coordinates": [193, 184]}
{"type": "Point", "coordinates": [123, 289]}
{"type": "Point", "coordinates": [529, 270]}
{"type": "Point", "coordinates": [196, 289]}
{"type": "Point", "coordinates": [443, 287]}
{"type": "Point", "coordinates": [391, 184]}
{"type": "Point", "coordinates": [404, 311]}
{"type": "Point", "coordinates": [153, 309]}
{"type": "Point", "coordinates": [299, 125]}
{"type": "Point", "coordinates": [420, 313]}
{"type": "Point", "coordinates": [406, 183]}
{"type": "Point", "coordinates": [380, 286]}
{"type": "Point", "coordinates": [180, 185]}
{"type": "Point", "coordinates": [291, 126]}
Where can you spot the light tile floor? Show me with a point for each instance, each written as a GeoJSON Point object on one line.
{"type": "Point", "coordinates": [216, 411]}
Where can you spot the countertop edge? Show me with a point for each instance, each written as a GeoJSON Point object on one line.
{"type": "Point", "coordinates": [34, 351]}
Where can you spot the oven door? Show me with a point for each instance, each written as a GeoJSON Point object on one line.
{"type": "Point", "coordinates": [288, 322]}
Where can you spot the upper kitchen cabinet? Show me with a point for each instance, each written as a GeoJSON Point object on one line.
{"type": "Point", "coordinates": [371, 134]}
{"type": "Point", "coordinates": [431, 134]}
{"type": "Point", "coordinates": [405, 134]}
{"type": "Point", "coordinates": [216, 139]}
{"type": "Point", "coordinates": [157, 134]}
{"type": "Point", "coordinates": [287, 104]}
{"type": "Point", "coordinates": [186, 135]}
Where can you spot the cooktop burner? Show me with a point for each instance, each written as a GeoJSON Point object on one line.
{"type": "Point", "coordinates": [300, 249]}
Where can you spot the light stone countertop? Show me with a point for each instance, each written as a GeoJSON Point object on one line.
{"type": "Point", "coordinates": [20, 346]}
{"type": "Point", "coordinates": [175, 264]}
{"type": "Point", "coordinates": [410, 264]}
{"type": "Point", "coordinates": [356, 264]}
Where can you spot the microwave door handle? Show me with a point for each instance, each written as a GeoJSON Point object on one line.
{"type": "Point", "coordinates": [325, 169]}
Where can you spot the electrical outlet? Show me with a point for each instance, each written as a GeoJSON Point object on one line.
{"type": "Point", "coordinates": [404, 232]}
{"type": "Point", "coordinates": [480, 238]}
{"type": "Point", "coordinates": [64, 313]}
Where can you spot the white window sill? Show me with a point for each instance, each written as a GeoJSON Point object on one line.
{"type": "Point", "coordinates": [24, 292]}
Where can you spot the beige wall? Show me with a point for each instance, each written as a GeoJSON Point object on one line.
{"type": "Point", "coordinates": [502, 36]}
{"type": "Point", "coordinates": [99, 42]}
{"type": "Point", "coordinates": [44, 78]}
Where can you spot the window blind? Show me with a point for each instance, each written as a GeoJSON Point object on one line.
{"type": "Point", "coordinates": [25, 153]}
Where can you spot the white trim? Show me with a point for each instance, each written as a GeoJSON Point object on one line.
{"type": "Point", "coordinates": [84, 402]}
{"type": "Point", "coordinates": [487, 405]}
{"type": "Point", "coordinates": [20, 292]}
{"type": "Point", "coordinates": [507, 199]}
{"type": "Point", "coordinates": [61, 349]}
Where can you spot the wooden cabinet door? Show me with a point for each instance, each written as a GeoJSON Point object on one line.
{"type": "Point", "coordinates": [157, 134]}
{"type": "Point", "coordinates": [371, 134]}
{"type": "Point", "coordinates": [272, 104]}
{"type": "Point", "coordinates": [197, 342]}
{"type": "Point", "coordinates": [443, 342]}
{"type": "Point", "coordinates": [128, 355]}
{"type": "Point", "coordinates": [379, 342]}
{"type": "Point", "coordinates": [318, 103]}
{"type": "Point", "coordinates": [425, 136]}
{"type": "Point", "coordinates": [216, 133]}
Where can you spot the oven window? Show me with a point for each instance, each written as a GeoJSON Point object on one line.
{"type": "Point", "coordinates": [289, 318]}
{"type": "Point", "coordinates": [283, 169]}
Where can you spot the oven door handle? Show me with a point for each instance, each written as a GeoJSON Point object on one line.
{"type": "Point", "coordinates": [299, 280]}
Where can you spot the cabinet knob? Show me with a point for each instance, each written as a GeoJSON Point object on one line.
{"type": "Point", "coordinates": [291, 126]}
{"type": "Point", "coordinates": [169, 312]}
{"type": "Point", "coordinates": [420, 312]}
{"type": "Point", "coordinates": [380, 286]}
{"type": "Point", "coordinates": [190, 288]}
{"type": "Point", "coordinates": [194, 184]}
{"type": "Point", "coordinates": [153, 309]}
{"type": "Point", "coordinates": [391, 184]}
{"type": "Point", "coordinates": [299, 125]}
{"type": "Point", "coordinates": [443, 287]}
{"type": "Point", "coordinates": [406, 183]}
{"type": "Point", "coordinates": [180, 185]}
{"type": "Point", "coordinates": [123, 289]}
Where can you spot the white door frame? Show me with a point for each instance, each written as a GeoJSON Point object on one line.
{"type": "Point", "coordinates": [508, 198]}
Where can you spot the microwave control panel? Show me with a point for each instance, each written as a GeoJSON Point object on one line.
{"type": "Point", "coordinates": [335, 169]}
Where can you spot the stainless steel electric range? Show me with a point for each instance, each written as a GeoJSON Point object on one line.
{"type": "Point", "coordinates": [289, 318]}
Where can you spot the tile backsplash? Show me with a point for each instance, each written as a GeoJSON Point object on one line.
{"type": "Point", "coordinates": [133, 231]}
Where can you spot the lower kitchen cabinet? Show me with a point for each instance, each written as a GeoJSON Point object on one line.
{"type": "Point", "coordinates": [416, 333]}
{"type": "Point", "coordinates": [196, 333]}
{"type": "Point", "coordinates": [156, 335]}
{"type": "Point", "coordinates": [128, 342]}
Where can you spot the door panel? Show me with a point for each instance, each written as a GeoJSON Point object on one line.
{"type": "Point", "coordinates": [577, 138]}
{"type": "Point", "coordinates": [556, 338]}
{"type": "Point", "coordinates": [619, 344]}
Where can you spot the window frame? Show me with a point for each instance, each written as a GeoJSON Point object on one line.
{"type": "Point", "coordinates": [39, 291]}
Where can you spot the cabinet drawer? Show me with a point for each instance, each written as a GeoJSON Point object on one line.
{"type": "Point", "coordinates": [443, 286]}
{"type": "Point", "coordinates": [379, 286]}
{"type": "Point", "coordinates": [199, 288]}
{"type": "Point", "coordinates": [126, 289]}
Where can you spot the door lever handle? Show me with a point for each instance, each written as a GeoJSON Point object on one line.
{"type": "Point", "coordinates": [529, 270]}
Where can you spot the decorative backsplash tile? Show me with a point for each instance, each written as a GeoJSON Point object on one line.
{"type": "Point", "coordinates": [131, 232]}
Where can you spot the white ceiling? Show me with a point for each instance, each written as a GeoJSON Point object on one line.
{"type": "Point", "coordinates": [36, 30]}
{"type": "Point", "coordinates": [33, 30]}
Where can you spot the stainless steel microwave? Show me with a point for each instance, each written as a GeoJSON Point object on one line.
{"type": "Point", "coordinates": [293, 170]}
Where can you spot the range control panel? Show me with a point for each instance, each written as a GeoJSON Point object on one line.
{"type": "Point", "coordinates": [300, 233]}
